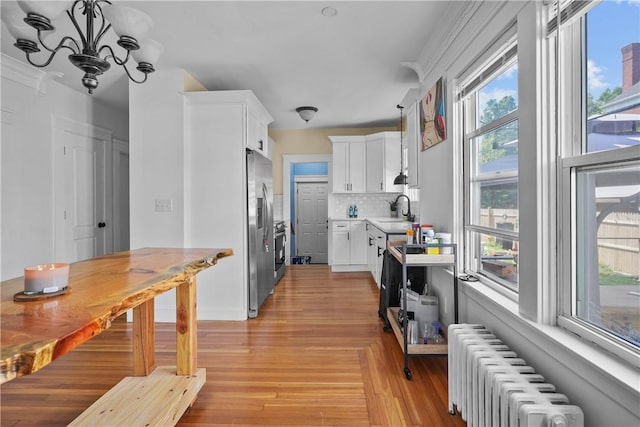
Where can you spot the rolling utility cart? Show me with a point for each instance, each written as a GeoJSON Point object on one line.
{"type": "Point", "coordinates": [418, 256]}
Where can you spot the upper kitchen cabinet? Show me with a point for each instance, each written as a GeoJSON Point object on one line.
{"type": "Point", "coordinates": [349, 171]}
{"type": "Point", "coordinates": [383, 162]}
{"type": "Point", "coordinates": [412, 141]}
{"type": "Point", "coordinates": [257, 129]}
{"type": "Point", "coordinates": [255, 118]}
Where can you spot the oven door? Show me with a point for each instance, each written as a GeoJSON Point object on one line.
{"type": "Point", "coordinates": [280, 240]}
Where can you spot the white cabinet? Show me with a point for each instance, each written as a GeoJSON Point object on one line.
{"type": "Point", "coordinates": [257, 132]}
{"type": "Point", "coordinates": [357, 243]}
{"type": "Point", "coordinates": [412, 143]}
{"type": "Point", "coordinates": [376, 243]}
{"type": "Point", "coordinates": [218, 126]}
{"type": "Point", "coordinates": [349, 171]}
{"type": "Point", "coordinates": [383, 162]}
{"type": "Point", "coordinates": [371, 249]}
{"type": "Point", "coordinates": [341, 244]}
{"type": "Point", "coordinates": [348, 248]}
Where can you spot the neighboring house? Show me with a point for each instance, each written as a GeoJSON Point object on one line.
{"type": "Point", "coordinates": [619, 126]}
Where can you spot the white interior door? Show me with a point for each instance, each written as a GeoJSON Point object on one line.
{"type": "Point", "coordinates": [121, 225]}
{"type": "Point", "coordinates": [83, 202]}
{"type": "Point", "coordinates": [312, 225]}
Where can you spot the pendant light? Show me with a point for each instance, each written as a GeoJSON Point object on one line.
{"type": "Point", "coordinates": [401, 179]}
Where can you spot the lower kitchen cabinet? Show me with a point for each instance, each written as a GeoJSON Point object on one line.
{"type": "Point", "coordinates": [348, 248]}
{"type": "Point", "coordinates": [376, 244]}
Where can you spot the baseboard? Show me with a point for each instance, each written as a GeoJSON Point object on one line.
{"type": "Point", "coordinates": [355, 267]}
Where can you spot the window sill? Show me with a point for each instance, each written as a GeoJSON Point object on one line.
{"type": "Point", "coordinates": [601, 369]}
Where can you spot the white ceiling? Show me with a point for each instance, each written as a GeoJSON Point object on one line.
{"type": "Point", "coordinates": [288, 53]}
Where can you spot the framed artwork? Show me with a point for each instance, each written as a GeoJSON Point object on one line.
{"type": "Point", "coordinates": [432, 120]}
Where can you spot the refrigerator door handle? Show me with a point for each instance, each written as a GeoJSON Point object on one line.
{"type": "Point", "coordinates": [265, 227]}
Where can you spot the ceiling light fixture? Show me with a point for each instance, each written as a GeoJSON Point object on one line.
{"type": "Point", "coordinates": [307, 113]}
{"type": "Point", "coordinates": [401, 179]}
{"type": "Point", "coordinates": [129, 24]}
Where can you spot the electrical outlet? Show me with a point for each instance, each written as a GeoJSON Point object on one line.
{"type": "Point", "coordinates": [164, 205]}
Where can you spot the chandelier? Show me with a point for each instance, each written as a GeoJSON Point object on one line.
{"type": "Point", "coordinates": [129, 24]}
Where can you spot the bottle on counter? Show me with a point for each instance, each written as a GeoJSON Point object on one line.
{"type": "Point", "coordinates": [409, 236]}
{"type": "Point", "coordinates": [427, 233]}
{"type": "Point", "coordinates": [417, 234]}
{"type": "Point", "coordinates": [446, 239]}
{"type": "Point", "coordinates": [355, 211]}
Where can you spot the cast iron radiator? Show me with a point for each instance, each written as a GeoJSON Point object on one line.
{"type": "Point", "coordinates": [491, 386]}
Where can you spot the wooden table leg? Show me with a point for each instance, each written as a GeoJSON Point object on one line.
{"type": "Point", "coordinates": [186, 328]}
{"type": "Point", "coordinates": [144, 339]}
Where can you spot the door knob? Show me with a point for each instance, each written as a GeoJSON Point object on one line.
{"type": "Point", "coordinates": [102, 224]}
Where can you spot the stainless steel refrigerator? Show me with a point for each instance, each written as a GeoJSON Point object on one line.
{"type": "Point", "coordinates": [260, 229]}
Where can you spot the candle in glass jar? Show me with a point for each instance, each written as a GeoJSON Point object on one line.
{"type": "Point", "coordinates": [46, 278]}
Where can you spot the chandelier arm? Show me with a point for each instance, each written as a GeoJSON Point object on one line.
{"type": "Point", "coordinates": [53, 53]}
{"type": "Point", "coordinates": [60, 44]}
{"type": "Point", "coordinates": [75, 24]}
{"type": "Point", "coordinates": [131, 77]}
{"type": "Point", "coordinates": [113, 55]}
{"type": "Point", "coordinates": [101, 33]}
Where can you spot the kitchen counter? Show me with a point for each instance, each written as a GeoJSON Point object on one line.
{"type": "Point", "coordinates": [390, 225]}
{"type": "Point", "coordinates": [387, 225]}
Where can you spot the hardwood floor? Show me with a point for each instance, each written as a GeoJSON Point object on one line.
{"type": "Point", "coordinates": [316, 356]}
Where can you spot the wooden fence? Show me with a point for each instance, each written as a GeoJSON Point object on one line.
{"type": "Point", "coordinates": [618, 237]}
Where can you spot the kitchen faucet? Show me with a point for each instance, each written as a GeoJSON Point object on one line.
{"type": "Point", "coordinates": [410, 217]}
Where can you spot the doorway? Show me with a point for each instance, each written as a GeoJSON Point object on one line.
{"type": "Point", "coordinates": [311, 218]}
{"type": "Point", "coordinates": [288, 188]}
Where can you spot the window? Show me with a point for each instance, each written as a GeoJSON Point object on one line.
{"type": "Point", "coordinates": [490, 108]}
{"type": "Point", "coordinates": [600, 185]}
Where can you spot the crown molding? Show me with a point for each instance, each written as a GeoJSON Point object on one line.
{"type": "Point", "coordinates": [26, 75]}
{"type": "Point", "coordinates": [464, 26]}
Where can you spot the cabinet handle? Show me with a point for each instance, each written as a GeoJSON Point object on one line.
{"type": "Point", "coordinates": [379, 254]}
{"type": "Point", "coordinates": [381, 186]}
{"type": "Point", "coordinates": [260, 145]}
{"type": "Point", "coordinates": [370, 241]}
{"type": "Point", "coordinates": [348, 236]}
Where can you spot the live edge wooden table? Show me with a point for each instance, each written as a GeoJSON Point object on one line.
{"type": "Point", "coordinates": [35, 333]}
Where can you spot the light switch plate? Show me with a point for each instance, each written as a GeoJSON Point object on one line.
{"type": "Point", "coordinates": [164, 205]}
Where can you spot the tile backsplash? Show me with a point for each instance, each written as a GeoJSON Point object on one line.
{"type": "Point", "coordinates": [369, 205]}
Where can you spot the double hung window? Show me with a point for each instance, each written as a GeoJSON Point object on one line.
{"type": "Point", "coordinates": [599, 92]}
{"type": "Point", "coordinates": [491, 220]}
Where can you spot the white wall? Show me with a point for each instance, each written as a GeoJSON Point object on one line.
{"type": "Point", "coordinates": [27, 212]}
{"type": "Point", "coordinates": [156, 158]}
{"type": "Point", "coordinates": [603, 386]}
{"type": "Point", "coordinates": [162, 168]}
